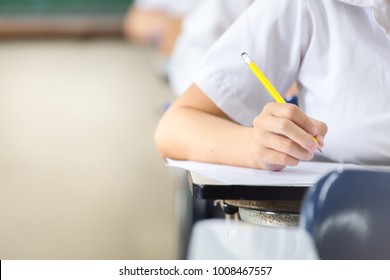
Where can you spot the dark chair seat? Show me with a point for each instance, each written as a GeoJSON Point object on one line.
{"type": "Point", "coordinates": [348, 215]}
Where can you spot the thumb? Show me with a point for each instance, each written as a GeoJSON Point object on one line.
{"type": "Point", "coordinates": [319, 131]}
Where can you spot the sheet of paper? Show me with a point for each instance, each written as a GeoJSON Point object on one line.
{"type": "Point", "coordinates": [304, 174]}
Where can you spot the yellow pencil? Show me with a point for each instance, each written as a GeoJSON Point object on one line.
{"type": "Point", "coordinates": [265, 82]}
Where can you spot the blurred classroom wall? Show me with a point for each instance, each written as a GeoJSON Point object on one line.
{"type": "Point", "coordinates": [82, 18]}
{"type": "Point", "coordinates": [80, 177]}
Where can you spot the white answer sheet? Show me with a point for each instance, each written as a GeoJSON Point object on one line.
{"type": "Point", "coordinates": [304, 174]}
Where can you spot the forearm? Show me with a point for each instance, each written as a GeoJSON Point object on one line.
{"type": "Point", "coordinates": [190, 134]}
{"type": "Point", "coordinates": [194, 128]}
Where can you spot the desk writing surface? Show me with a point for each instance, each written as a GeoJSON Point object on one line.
{"type": "Point", "coordinates": [304, 174]}
{"type": "Point", "coordinates": [215, 181]}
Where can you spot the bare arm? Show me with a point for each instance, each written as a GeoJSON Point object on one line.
{"type": "Point", "coordinates": [194, 128]}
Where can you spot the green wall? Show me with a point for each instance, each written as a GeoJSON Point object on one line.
{"type": "Point", "coordinates": [63, 6]}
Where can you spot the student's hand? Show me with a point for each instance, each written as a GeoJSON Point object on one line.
{"type": "Point", "coordinates": [283, 136]}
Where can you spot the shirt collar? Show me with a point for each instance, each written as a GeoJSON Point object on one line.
{"type": "Point", "coordinates": [380, 11]}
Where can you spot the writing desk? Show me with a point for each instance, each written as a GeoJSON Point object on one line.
{"type": "Point", "coordinates": [257, 194]}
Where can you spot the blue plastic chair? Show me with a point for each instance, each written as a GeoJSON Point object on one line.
{"type": "Point", "coordinates": [347, 214]}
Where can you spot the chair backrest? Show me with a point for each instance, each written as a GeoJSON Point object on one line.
{"type": "Point", "coordinates": [348, 215]}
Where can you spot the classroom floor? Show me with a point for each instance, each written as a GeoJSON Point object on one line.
{"type": "Point", "coordinates": [80, 177]}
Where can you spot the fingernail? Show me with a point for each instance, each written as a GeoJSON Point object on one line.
{"type": "Point", "coordinates": [313, 147]}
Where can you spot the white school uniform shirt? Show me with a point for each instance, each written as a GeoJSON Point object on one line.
{"type": "Point", "coordinates": [200, 29]}
{"type": "Point", "coordinates": [337, 51]}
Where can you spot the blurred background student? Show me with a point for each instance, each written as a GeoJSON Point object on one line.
{"type": "Point", "coordinates": [157, 22]}
{"type": "Point", "coordinates": [199, 30]}
{"type": "Point", "coordinates": [182, 31]}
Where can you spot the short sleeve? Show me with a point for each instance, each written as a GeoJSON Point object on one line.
{"type": "Point", "coordinates": [273, 33]}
